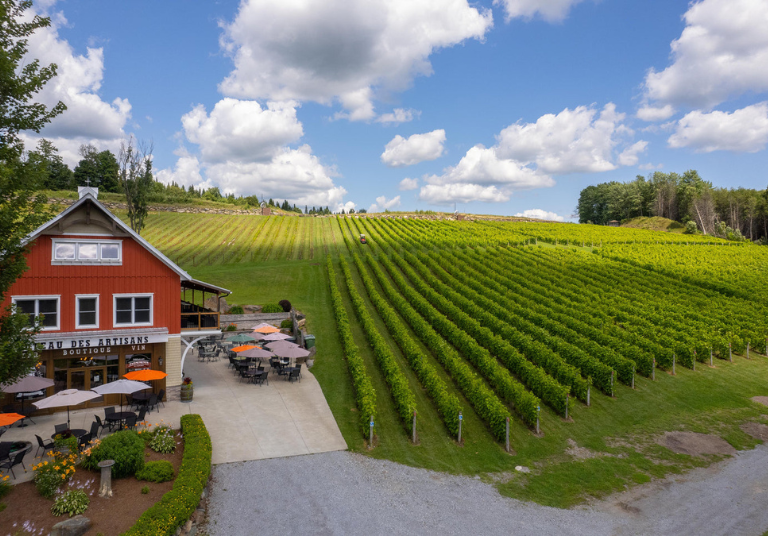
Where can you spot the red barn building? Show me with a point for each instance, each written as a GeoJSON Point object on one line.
{"type": "Point", "coordinates": [111, 302]}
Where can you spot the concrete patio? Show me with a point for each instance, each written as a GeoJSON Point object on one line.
{"type": "Point", "coordinates": [246, 421]}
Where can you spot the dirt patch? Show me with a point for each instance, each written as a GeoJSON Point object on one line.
{"type": "Point", "coordinates": [756, 430]}
{"type": "Point", "coordinates": [695, 444]}
{"type": "Point", "coordinates": [581, 453]}
{"type": "Point", "coordinates": [26, 508]}
{"type": "Point", "coordinates": [760, 400]}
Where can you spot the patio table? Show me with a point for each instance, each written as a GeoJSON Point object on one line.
{"type": "Point", "coordinates": [77, 432]}
{"type": "Point", "coordinates": [119, 416]}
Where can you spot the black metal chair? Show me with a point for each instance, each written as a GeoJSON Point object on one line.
{"type": "Point", "coordinates": [59, 428]}
{"type": "Point", "coordinates": [110, 424]}
{"type": "Point", "coordinates": [261, 377]}
{"type": "Point", "coordinates": [5, 450]}
{"type": "Point", "coordinates": [152, 403]}
{"type": "Point", "coordinates": [13, 460]}
{"type": "Point", "coordinates": [294, 373]}
{"type": "Point", "coordinates": [101, 425]}
{"type": "Point", "coordinates": [142, 415]}
{"type": "Point", "coordinates": [45, 444]}
{"type": "Point", "coordinates": [130, 422]}
{"type": "Point", "coordinates": [160, 397]}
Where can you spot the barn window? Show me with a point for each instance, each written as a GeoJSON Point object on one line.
{"type": "Point", "coordinates": [133, 310]}
{"type": "Point", "coordinates": [87, 313]}
{"type": "Point", "coordinates": [70, 251]}
{"type": "Point", "coordinates": [47, 306]}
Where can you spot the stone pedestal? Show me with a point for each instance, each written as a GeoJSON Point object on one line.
{"type": "Point", "coordinates": [105, 490]}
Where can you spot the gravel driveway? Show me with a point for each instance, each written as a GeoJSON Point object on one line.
{"type": "Point", "coordinates": [345, 493]}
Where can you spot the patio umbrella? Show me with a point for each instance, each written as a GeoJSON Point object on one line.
{"type": "Point", "coordinates": [146, 375]}
{"type": "Point", "coordinates": [120, 387]}
{"type": "Point", "coordinates": [266, 329]}
{"type": "Point", "coordinates": [28, 384]}
{"type": "Point", "coordinates": [7, 419]}
{"type": "Point", "coordinates": [287, 349]}
{"type": "Point", "coordinates": [262, 325]}
{"type": "Point", "coordinates": [66, 398]}
{"type": "Point", "coordinates": [275, 337]}
{"type": "Point", "coordinates": [244, 347]}
{"type": "Point", "coordinates": [258, 353]}
{"type": "Point", "coordinates": [240, 338]}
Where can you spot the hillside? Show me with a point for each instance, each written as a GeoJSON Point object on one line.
{"type": "Point", "coordinates": [655, 223]}
{"type": "Point", "coordinates": [500, 319]}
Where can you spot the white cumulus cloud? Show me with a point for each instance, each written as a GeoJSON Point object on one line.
{"type": "Point", "coordinates": [629, 156]}
{"type": "Point", "coordinates": [397, 116]}
{"type": "Point", "coordinates": [408, 184]}
{"type": "Point", "coordinates": [655, 113]}
{"type": "Point", "coordinates": [341, 50]}
{"type": "Point", "coordinates": [382, 203]}
{"type": "Point", "coordinates": [721, 53]}
{"type": "Point", "coordinates": [528, 154]}
{"type": "Point", "coordinates": [241, 130]}
{"type": "Point", "coordinates": [539, 214]}
{"type": "Point", "coordinates": [400, 152]}
{"type": "Point", "coordinates": [744, 130]}
{"type": "Point", "coordinates": [88, 118]}
{"type": "Point", "coordinates": [549, 10]}
{"type": "Point", "coordinates": [573, 141]}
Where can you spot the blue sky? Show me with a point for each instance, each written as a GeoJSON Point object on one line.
{"type": "Point", "coordinates": [500, 107]}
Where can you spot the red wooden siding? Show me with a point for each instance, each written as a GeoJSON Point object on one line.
{"type": "Point", "coordinates": [141, 272]}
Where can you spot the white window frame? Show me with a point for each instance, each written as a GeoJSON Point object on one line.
{"type": "Point", "coordinates": [78, 325]}
{"type": "Point", "coordinates": [97, 261]}
{"type": "Point", "coordinates": [56, 297]}
{"type": "Point", "coordinates": [149, 295]}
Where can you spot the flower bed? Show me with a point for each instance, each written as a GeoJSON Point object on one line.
{"type": "Point", "coordinates": [27, 512]}
{"type": "Point", "coordinates": [176, 506]}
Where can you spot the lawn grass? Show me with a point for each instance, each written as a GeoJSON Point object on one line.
{"type": "Point", "coordinates": [623, 429]}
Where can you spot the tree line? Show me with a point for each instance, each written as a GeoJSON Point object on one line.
{"type": "Point", "coordinates": [734, 213]}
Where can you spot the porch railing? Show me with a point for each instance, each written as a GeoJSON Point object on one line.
{"type": "Point", "coordinates": [199, 320]}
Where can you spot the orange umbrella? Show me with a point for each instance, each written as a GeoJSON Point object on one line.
{"type": "Point", "coordinates": [245, 347]}
{"type": "Point", "coordinates": [145, 375]}
{"type": "Point", "coordinates": [266, 329]}
{"type": "Point", "coordinates": [6, 419]}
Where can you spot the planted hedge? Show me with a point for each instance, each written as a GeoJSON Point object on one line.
{"type": "Point", "coordinates": [403, 397]}
{"type": "Point", "coordinates": [448, 405]}
{"type": "Point", "coordinates": [177, 505]}
{"type": "Point", "coordinates": [364, 392]}
{"type": "Point", "coordinates": [485, 402]}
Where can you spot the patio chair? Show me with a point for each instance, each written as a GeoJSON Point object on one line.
{"type": "Point", "coordinates": [101, 424]}
{"type": "Point", "coordinates": [261, 377]}
{"type": "Point", "coordinates": [152, 403]}
{"type": "Point", "coordinates": [109, 411]}
{"type": "Point", "coordinates": [130, 422]}
{"type": "Point", "coordinates": [160, 397]}
{"type": "Point", "coordinates": [5, 450]}
{"type": "Point", "coordinates": [13, 460]}
{"type": "Point", "coordinates": [45, 444]}
{"type": "Point", "coordinates": [142, 415]}
{"type": "Point", "coordinates": [59, 428]}
{"type": "Point", "coordinates": [231, 356]}
{"type": "Point", "coordinates": [294, 373]}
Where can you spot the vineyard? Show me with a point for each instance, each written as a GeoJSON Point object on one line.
{"type": "Point", "coordinates": [514, 333]}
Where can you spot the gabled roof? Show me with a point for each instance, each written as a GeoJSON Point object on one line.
{"type": "Point", "coordinates": [89, 198]}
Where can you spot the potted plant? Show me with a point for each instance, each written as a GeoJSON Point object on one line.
{"type": "Point", "coordinates": [187, 389]}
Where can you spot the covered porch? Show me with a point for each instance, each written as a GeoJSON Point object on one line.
{"type": "Point", "coordinates": [195, 316]}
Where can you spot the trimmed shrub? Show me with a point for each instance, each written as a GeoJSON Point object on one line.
{"type": "Point", "coordinates": [286, 324]}
{"type": "Point", "coordinates": [176, 506]}
{"type": "Point", "coordinates": [272, 308]}
{"type": "Point", "coordinates": [232, 327]}
{"type": "Point", "coordinates": [145, 490]}
{"type": "Point", "coordinates": [160, 471]}
{"type": "Point", "coordinates": [286, 305]}
{"type": "Point", "coordinates": [235, 310]}
{"type": "Point", "coordinates": [125, 447]}
{"type": "Point", "coordinates": [72, 502]}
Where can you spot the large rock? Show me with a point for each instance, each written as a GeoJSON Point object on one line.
{"type": "Point", "coordinates": [74, 526]}
{"type": "Point", "coordinates": [213, 305]}
{"type": "Point", "coordinates": [250, 309]}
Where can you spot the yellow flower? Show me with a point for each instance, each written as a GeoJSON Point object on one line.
{"type": "Point", "coordinates": [56, 467]}
{"type": "Point", "coordinates": [45, 463]}
{"type": "Point", "coordinates": [63, 477]}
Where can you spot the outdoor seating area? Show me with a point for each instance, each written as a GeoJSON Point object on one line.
{"type": "Point", "coordinates": [253, 356]}
{"type": "Point", "coordinates": [48, 433]}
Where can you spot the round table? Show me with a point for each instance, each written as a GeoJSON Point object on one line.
{"type": "Point", "coordinates": [119, 416]}
{"type": "Point", "coordinates": [77, 432]}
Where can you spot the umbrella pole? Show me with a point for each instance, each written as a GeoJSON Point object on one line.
{"type": "Point", "coordinates": [68, 428]}
{"type": "Point", "coordinates": [23, 424]}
